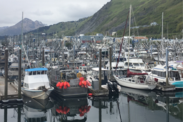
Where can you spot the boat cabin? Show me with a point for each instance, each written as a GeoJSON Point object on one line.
{"type": "Point", "coordinates": [135, 64]}
{"type": "Point", "coordinates": [113, 65]}
{"type": "Point", "coordinates": [67, 75]}
{"type": "Point", "coordinates": [95, 72]}
{"type": "Point", "coordinates": [120, 73]}
{"type": "Point", "coordinates": [121, 57]}
{"type": "Point", "coordinates": [159, 72]}
{"type": "Point", "coordinates": [73, 64]}
{"type": "Point", "coordinates": [83, 68]}
{"type": "Point", "coordinates": [36, 77]}
{"type": "Point", "coordinates": [129, 55]}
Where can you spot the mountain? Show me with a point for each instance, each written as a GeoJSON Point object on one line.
{"type": "Point", "coordinates": [112, 17]}
{"type": "Point", "coordinates": [2, 28]}
{"type": "Point", "coordinates": [28, 25]}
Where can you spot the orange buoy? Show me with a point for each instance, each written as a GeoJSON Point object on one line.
{"type": "Point", "coordinates": [88, 83]}
{"type": "Point", "coordinates": [58, 84]}
{"type": "Point", "coordinates": [81, 78]}
{"type": "Point", "coordinates": [90, 94]}
{"type": "Point", "coordinates": [61, 85]}
{"type": "Point", "coordinates": [68, 85]}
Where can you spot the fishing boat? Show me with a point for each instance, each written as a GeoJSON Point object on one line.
{"type": "Point", "coordinates": [159, 73]}
{"type": "Point", "coordinates": [93, 78]}
{"type": "Point", "coordinates": [136, 65]}
{"type": "Point", "coordinates": [36, 83]}
{"type": "Point", "coordinates": [71, 77]}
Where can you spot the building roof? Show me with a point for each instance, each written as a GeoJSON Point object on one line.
{"type": "Point", "coordinates": [140, 37]}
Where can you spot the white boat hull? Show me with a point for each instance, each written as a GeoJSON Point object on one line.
{"type": "Point", "coordinates": [37, 94]}
{"type": "Point", "coordinates": [135, 85]}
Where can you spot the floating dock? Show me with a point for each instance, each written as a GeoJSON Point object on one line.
{"type": "Point", "coordinates": [165, 87]}
{"type": "Point", "coordinates": [12, 91]}
{"type": "Point", "coordinates": [99, 92]}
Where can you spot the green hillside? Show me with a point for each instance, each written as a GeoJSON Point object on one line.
{"type": "Point", "coordinates": [111, 17]}
{"type": "Point", "coordinates": [62, 28]}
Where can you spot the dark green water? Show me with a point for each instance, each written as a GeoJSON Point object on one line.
{"type": "Point", "coordinates": [129, 106]}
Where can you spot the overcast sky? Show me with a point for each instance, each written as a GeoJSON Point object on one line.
{"type": "Point", "coordinates": [47, 11]}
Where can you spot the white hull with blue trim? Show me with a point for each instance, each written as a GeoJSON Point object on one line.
{"type": "Point", "coordinates": [159, 73]}
{"type": "Point", "coordinates": [36, 83]}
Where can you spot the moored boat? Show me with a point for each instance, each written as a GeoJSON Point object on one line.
{"type": "Point", "coordinates": [36, 83]}
{"type": "Point", "coordinates": [133, 80]}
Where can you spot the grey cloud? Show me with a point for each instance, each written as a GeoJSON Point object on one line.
{"type": "Point", "coordinates": [49, 11]}
{"type": "Point", "coordinates": [42, 13]}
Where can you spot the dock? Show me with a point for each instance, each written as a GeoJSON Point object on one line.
{"type": "Point", "coordinates": [12, 91]}
{"type": "Point", "coordinates": [99, 92]}
{"type": "Point", "coordinates": [165, 87]}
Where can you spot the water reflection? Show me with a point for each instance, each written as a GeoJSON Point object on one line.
{"type": "Point", "coordinates": [36, 110]}
{"type": "Point", "coordinates": [130, 105]}
{"type": "Point", "coordinates": [160, 103]}
{"type": "Point", "coordinates": [69, 109]}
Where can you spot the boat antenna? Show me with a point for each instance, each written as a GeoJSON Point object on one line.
{"type": "Point", "coordinates": [129, 34]}
{"type": "Point", "coordinates": [21, 43]}
{"type": "Point", "coordinates": [22, 46]}
{"type": "Point", "coordinates": [162, 42]}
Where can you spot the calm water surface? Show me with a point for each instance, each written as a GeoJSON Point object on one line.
{"type": "Point", "coordinates": [129, 106]}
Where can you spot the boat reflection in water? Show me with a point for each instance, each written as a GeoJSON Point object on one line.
{"type": "Point", "coordinates": [131, 105]}
{"type": "Point", "coordinates": [69, 109]}
{"type": "Point", "coordinates": [35, 110]}
{"type": "Point", "coordinates": [166, 106]}
{"type": "Point", "coordinates": [107, 108]}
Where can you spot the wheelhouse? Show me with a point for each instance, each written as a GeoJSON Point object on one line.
{"type": "Point", "coordinates": [161, 73]}
{"type": "Point", "coordinates": [36, 71]}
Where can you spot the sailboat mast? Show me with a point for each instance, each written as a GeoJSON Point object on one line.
{"type": "Point", "coordinates": [162, 35]}
{"type": "Point", "coordinates": [129, 34]}
{"type": "Point", "coordinates": [22, 46]}
{"type": "Point", "coordinates": [22, 31]}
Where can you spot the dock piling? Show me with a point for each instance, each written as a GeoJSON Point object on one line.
{"type": "Point", "coordinates": [19, 74]}
{"type": "Point", "coordinates": [43, 57]}
{"type": "Point", "coordinates": [110, 60]}
{"type": "Point", "coordinates": [5, 114]}
{"type": "Point", "coordinates": [100, 65]}
{"type": "Point", "coordinates": [167, 110]}
{"type": "Point", "coordinates": [19, 114]}
{"type": "Point", "coordinates": [167, 66]}
{"type": "Point", "coordinates": [6, 75]}
{"type": "Point", "coordinates": [100, 111]}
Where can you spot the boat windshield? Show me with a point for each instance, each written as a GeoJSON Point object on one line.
{"type": "Point", "coordinates": [141, 64]}
{"type": "Point", "coordinates": [70, 76]}
{"type": "Point", "coordinates": [130, 55]}
{"type": "Point", "coordinates": [175, 74]}
{"type": "Point", "coordinates": [135, 64]}
{"type": "Point", "coordinates": [120, 72]}
{"type": "Point", "coordinates": [84, 68]}
{"type": "Point", "coordinates": [96, 73]}
{"type": "Point", "coordinates": [130, 64]}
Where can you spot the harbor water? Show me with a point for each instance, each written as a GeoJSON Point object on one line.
{"type": "Point", "coordinates": [129, 106]}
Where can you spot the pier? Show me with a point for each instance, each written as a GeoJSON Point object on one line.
{"type": "Point", "coordinates": [12, 91]}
